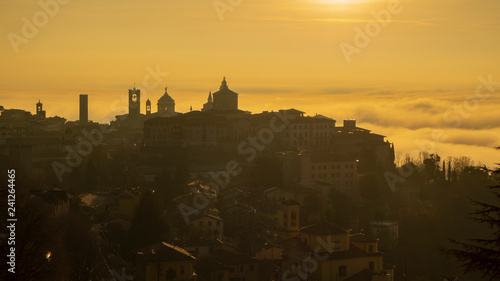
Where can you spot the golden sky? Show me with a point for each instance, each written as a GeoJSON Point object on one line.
{"type": "Point", "coordinates": [277, 54]}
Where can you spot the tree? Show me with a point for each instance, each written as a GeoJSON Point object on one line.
{"type": "Point", "coordinates": [148, 223]}
{"type": "Point", "coordinates": [82, 245]}
{"type": "Point", "coordinates": [482, 254]}
{"type": "Point", "coordinates": [431, 168]}
{"type": "Point", "coordinates": [39, 251]}
{"type": "Point", "coordinates": [341, 207]}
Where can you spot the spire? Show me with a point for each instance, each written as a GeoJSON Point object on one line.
{"type": "Point", "coordinates": [191, 108]}
{"type": "Point", "coordinates": [165, 89]}
{"type": "Point", "coordinates": [223, 86]}
{"type": "Point", "coordinates": [210, 96]}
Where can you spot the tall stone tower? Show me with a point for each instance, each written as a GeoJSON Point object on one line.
{"type": "Point", "coordinates": [148, 107]}
{"type": "Point", "coordinates": [84, 109]}
{"type": "Point", "coordinates": [40, 113]}
{"type": "Point", "coordinates": [134, 103]}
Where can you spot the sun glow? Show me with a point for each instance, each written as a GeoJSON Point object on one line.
{"type": "Point", "coordinates": [343, 2]}
{"type": "Point", "coordinates": [340, 1]}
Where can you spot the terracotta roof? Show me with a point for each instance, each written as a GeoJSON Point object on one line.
{"type": "Point", "coordinates": [324, 228]}
{"type": "Point", "coordinates": [361, 237]}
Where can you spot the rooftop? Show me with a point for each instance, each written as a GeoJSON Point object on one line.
{"type": "Point", "coordinates": [324, 228]}
{"type": "Point", "coordinates": [163, 252]}
{"type": "Point", "coordinates": [361, 237]}
{"type": "Point", "coordinates": [166, 98]}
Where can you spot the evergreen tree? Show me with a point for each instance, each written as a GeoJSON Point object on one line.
{"type": "Point", "coordinates": [482, 254]}
{"type": "Point", "coordinates": [148, 223]}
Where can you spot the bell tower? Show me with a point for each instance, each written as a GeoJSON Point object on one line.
{"type": "Point", "coordinates": [40, 113]}
{"type": "Point", "coordinates": [148, 107]}
{"type": "Point", "coordinates": [134, 103]}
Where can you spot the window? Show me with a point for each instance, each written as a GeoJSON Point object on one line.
{"type": "Point", "coordinates": [201, 223]}
{"type": "Point", "coordinates": [241, 268]}
{"type": "Point", "coordinates": [336, 245]}
{"type": "Point", "coordinates": [333, 175]}
{"type": "Point", "coordinates": [346, 166]}
{"type": "Point", "coordinates": [313, 167]}
{"type": "Point", "coordinates": [231, 270]}
{"type": "Point", "coordinates": [371, 266]}
{"type": "Point", "coordinates": [218, 223]}
{"type": "Point", "coordinates": [209, 223]}
{"type": "Point", "coordinates": [370, 249]}
{"type": "Point", "coordinates": [252, 267]}
{"type": "Point", "coordinates": [342, 271]}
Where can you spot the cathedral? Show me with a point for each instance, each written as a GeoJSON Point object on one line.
{"type": "Point", "coordinates": [223, 100]}
{"type": "Point", "coordinates": [166, 104]}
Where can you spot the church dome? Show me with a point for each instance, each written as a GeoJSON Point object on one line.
{"type": "Point", "coordinates": [166, 98]}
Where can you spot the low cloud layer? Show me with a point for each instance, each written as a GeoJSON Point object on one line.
{"type": "Point", "coordinates": [404, 116]}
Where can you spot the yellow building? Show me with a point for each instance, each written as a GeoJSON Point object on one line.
{"type": "Point", "coordinates": [332, 253]}
{"type": "Point", "coordinates": [165, 262]}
